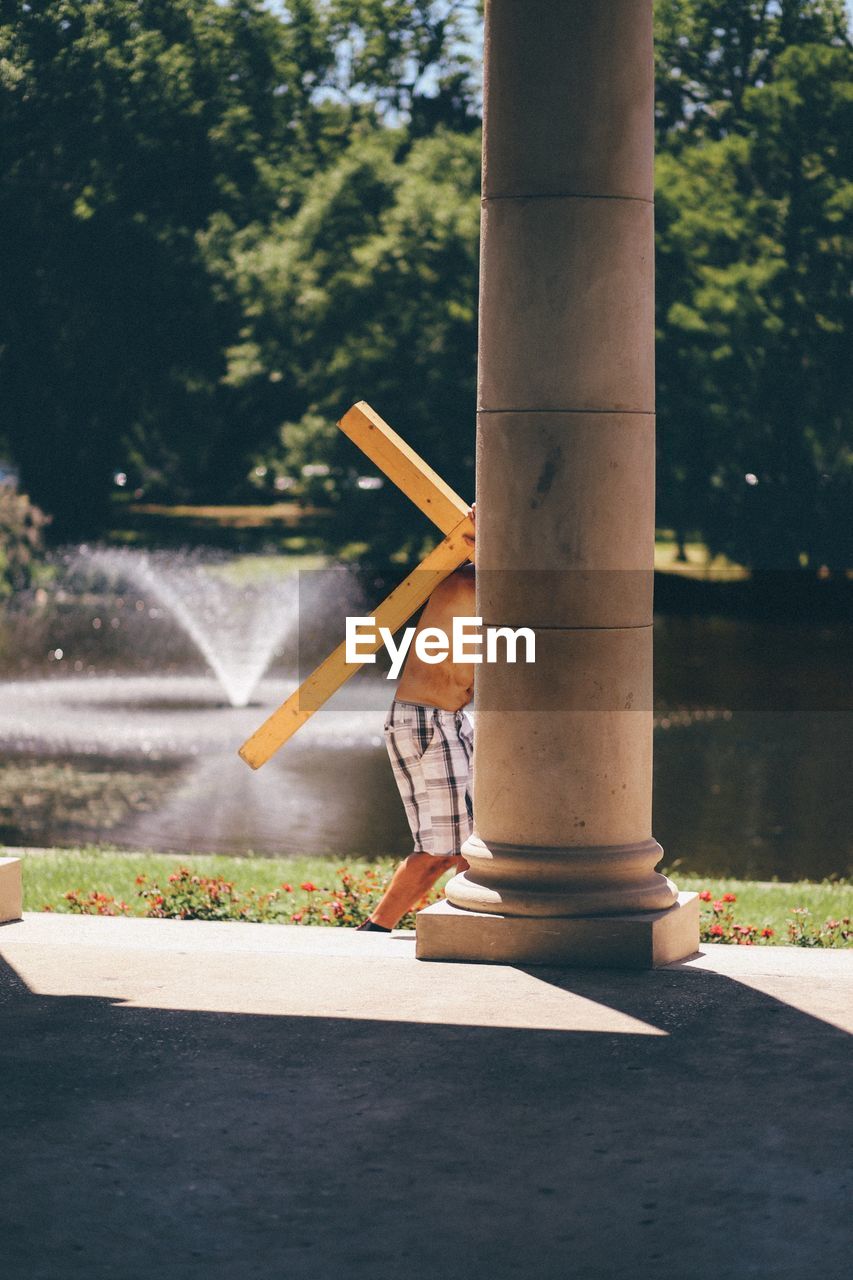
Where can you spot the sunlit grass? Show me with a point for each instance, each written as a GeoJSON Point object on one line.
{"type": "Point", "coordinates": [49, 874]}
{"type": "Point", "coordinates": [771, 902]}
{"type": "Point", "coordinates": [699, 563]}
{"type": "Point", "coordinates": [256, 570]}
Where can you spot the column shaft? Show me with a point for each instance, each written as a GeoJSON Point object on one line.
{"type": "Point", "coordinates": [565, 453]}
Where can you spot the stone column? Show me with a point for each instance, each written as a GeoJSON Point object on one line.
{"type": "Point", "coordinates": [564, 865]}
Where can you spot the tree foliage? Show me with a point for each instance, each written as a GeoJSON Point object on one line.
{"type": "Point", "coordinates": [754, 320]}
{"type": "Point", "coordinates": [124, 126]}
{"type": "Point", "coordinates": [21, 541]}
{"type": "Point", "coordinates": [221, 223]}
{"type": "Point", "coordinates": [709, 53]}
{"type": "Point", "coordinates": [368, 292]}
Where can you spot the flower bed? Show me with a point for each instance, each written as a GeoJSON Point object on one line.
{"type": "Point", "coordinates": [349, 896]}
{"type": "Point", "coordinates": [188, 896]}
{"type": "Point", "coordinates": [717, 924]}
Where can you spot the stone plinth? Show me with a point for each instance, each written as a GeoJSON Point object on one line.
{"type": "Point", "coordinates": [635, 940]}
{"type": "Point", "coordinates": [11, 890]}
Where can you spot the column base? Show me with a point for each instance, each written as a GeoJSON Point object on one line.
{"type": "Point", "coordinates": [11, 890]}
{"type": "Point", "coordinates": [636, 940]}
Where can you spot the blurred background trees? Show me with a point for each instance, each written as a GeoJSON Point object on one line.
{"type": "Point", "coordinates": [754, 203]}
{"type": "Point", "coordinates": [221, 223]}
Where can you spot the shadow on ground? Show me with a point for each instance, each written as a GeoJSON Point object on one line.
{"type": "Point", "coordinates": [181, 1145]}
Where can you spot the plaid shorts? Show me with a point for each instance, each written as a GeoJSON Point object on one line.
{"type": "Point", "coordinates": [430, 752]}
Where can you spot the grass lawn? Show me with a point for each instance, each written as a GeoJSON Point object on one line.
{"type": "Point", "coordinates": [698, 564]}
{"type": "Point", "coordinates": [48, 874]}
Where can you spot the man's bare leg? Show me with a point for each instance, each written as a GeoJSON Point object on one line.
{"type": "Point", "coordinates": [413, 878]}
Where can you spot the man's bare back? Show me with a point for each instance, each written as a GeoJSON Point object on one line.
{"type": "Point", "coordinates": [448, 685]}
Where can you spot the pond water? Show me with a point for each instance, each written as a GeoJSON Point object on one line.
{"type": "Point", "coordinates": [121, 733]}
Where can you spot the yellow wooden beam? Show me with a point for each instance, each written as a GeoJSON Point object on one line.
{"type": "Point", "coordinates": [405, 468]}
{"type": "Point", "coordinates": [394, 610]}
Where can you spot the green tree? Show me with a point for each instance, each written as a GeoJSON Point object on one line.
{"type": "Point", "coordinates": [220, 223]}
{"type": "Point", "coordinates": [125, 125]}
{"type": "Point", "coordinates": [21, 541]}
{"type": "Point", "coordinates": [708, 53]}
{"type": "Point", "coordinates": [755, 234]}
{"type": "Point", "coordinates": [411, 59]}
{"type": "Point", "coordinates": [137, 139]}
{"type": "Point", "coordinates": [367, 292]}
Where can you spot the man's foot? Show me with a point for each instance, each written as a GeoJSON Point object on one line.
{"type": "Point", "coordinates": [370, 927]}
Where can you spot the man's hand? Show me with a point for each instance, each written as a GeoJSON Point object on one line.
{"type": "Point", "coordinates": [470, 538]}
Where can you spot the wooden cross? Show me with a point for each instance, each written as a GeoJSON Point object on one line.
{"type": "Point", "coordinates": [444, 507]}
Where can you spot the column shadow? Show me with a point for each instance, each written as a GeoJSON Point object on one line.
{"type": "Point", "coordinates": [182, 1145]}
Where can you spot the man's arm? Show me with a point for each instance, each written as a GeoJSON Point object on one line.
{"type": "Point", "coordinates": [471, 538]}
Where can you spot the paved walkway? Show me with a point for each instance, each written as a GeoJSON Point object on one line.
{"type": "Point", "coordinates": [196, 1101]}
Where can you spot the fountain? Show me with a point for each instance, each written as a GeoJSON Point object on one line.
{"type": "Point", "coordinates": [237, 627]}
{"type": "Point", "coordinates": [120, 707]}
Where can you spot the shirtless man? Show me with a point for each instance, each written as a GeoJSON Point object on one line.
{"type": "Point", "coordinates": [430, 742]}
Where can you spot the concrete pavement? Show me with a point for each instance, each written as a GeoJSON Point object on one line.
{"type": "Point", "coordinates": [188, 1100]}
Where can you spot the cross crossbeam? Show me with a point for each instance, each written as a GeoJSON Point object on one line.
{"type": "Point", "coordinates": [414, 477]}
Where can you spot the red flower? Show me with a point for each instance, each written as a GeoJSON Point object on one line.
{"type": "Point", "coordinates": [717, 930]}
{"type": "Point", "coordinates": [288, 888]}
{"type": "Point", "coordinates": [767, 933]}
{"type": "Point", "coordinates": [705, 895]}
{"type": "Point", "coordinates": [308, 886]}
{"type": "Point", "coordinates": [729, 897]}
